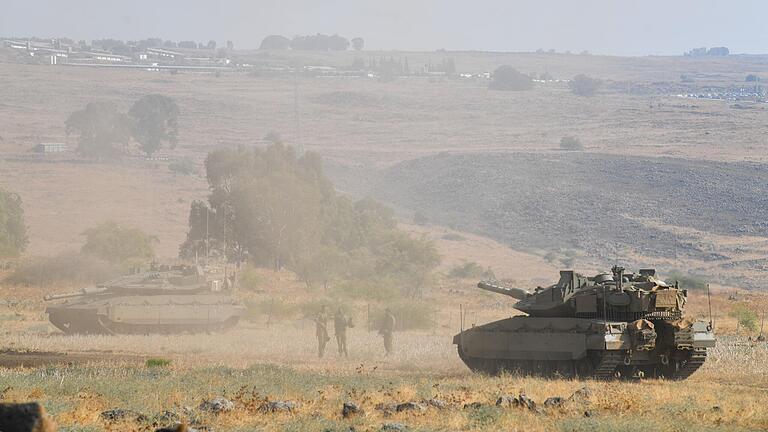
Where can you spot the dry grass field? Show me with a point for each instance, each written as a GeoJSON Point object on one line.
{"type": "Point", "coordinates": [259, 362]}
{"type": "Point", "coordinates": [361, 126]}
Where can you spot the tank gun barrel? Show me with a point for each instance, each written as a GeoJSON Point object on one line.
{"type": "Point", "coordinates": [517, 293]}
{"type": "Point", "coordinates": [84, 291]}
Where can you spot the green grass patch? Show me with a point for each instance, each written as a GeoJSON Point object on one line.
{"type": "Point", "coordinates": [158, 362]}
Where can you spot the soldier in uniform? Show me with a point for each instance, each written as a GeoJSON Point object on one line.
{"type": "Point", "coordinates": [386, 330]}
{"type": "Point", "coordinates": [340, 324]}
{"type": "Point", "coordinates": [321, 330]}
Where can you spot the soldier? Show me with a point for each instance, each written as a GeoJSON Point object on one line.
{"type": "Point", "coordinates": [340, 324]}
{"type": "Point", "coordinates": [321, 330]}
{"type": "Point", "coordinates": [386, 330]}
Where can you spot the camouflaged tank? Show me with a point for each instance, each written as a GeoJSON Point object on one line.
{"type": "Point", "coordinates": [608, 326]}
{"type": "Point", "coordinates": [168, 299]}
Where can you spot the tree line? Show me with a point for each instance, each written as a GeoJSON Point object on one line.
{"type": "Point", "coordinates": [117, 46]}
{"type": "Point", "coordinates": [103, 131]}
{"type": "Point", "coordinates": [318, 42]}
{"type": "Point", "coordinates": [507, 78]}
{"type": "Point", "coordinates": [277, 209]}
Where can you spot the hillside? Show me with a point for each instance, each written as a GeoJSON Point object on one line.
{"type": "Point", "coordinates": [635, 209]}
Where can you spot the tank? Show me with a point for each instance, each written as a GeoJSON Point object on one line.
{"type": "Point", "coordinates": [169, 299]}
{"type": "Point", "coordinates": [611, 325]}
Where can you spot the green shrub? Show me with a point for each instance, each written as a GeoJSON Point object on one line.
{"type": "Point", "coordinates": [583, 85]}
{"type": "Point", "coordinates": [453, 237]}
{"type": "Point", "coordinates": [66, 268]}
{"type": "Point", "coordinates": [508, 78]}
{"type": "Point", "coordinates": [471, 270]}
{"type": "Point", "coordinates": [116, 244]}
{"type": "Point", "coordinates": [158, 362]}
{"type": "Point", "coordinates": [745, 316]}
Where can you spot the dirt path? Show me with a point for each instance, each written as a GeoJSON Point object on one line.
{"type": "Point", "coordinates": [31, 359]}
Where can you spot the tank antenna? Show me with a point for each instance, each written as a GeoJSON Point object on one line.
{"type": "Point", "coordinates": [605, 311]}
{"type": "Point", "coordinates": [461, 324]}
{"type": "Point", "coordinates": [709, 300]}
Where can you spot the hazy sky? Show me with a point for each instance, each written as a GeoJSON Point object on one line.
{"type": "Point", "coordinates": [624, 27]}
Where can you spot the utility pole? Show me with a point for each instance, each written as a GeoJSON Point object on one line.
{"type": "Point", "coordinates": [299, 145]}
{"type": "Point", "coordinates": [207, 239]}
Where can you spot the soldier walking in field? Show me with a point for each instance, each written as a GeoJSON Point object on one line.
{"type": "Point", "coordinates": [387, 329]}
{"type": "Point", "coordinates": [340, 324]}
{"type": "Point", "coordinates": [321, 330]}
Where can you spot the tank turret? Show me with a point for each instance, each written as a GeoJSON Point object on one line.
{"type": "Point", "coordinates": [167, 299]}
{"type": "Point", "coordinates": [612, 324]}
{"type": "Point", "coordinates": [617, 296]}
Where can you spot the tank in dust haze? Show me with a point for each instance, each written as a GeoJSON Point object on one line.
{"type": "Point", "coordinates": [166, 300]}
{"type": "Point", "coordinates": [609, 326]}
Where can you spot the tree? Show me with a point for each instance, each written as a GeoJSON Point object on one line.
{"type": "Point", "coordinates": [508, 78]}
{"type": "Point", "coordinates": [101, 129]}
{"type": "Point", "coordinates": [13, 231]}
{"type": "Point", "coordinates": [154, 121]}
{"type": "Point", "coordinates": [282, 211]}
{"type": "Point", "coordinates": [358, 43]}
{"type": "Point", "coordinates": [211, 45]}
{"type": "Point", "coordinates": [583, 85]}
{"type": "Point", "coordinates": [320, 42]}
{"type": "Point", "coordinates": [206, 232]}
{"type": "Point", "coordinates": [745, 317]}
{"type": "Point", "coordinates": [275, 42]}
{"type": "Point", "coordinates": [230, 45]}
{"type": "Point", "coordinates": [188, 44]}
{"type": "Point", "coordinates": [116, 244]}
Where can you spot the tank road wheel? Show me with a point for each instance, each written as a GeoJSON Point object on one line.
{"type": "Point", "coordinates": [682, 364]}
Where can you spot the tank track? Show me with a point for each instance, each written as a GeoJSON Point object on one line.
{"type": "Point", "coordinates": [96, 324]}
{"type": "Point", "coordinates": [599, 365]}
{"type": "Point", "coordinates": [605, 365]}
{"type": "Point", "coordinates": [605, 369]}
{"type": "Point", "coordinates": [691, 364]}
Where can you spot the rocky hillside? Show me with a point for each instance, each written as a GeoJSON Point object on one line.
{"type": "Point", "coordinates": [604, 205]}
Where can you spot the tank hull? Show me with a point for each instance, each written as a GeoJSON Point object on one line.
{"type": "Point", "coordinates": [146, 314]}
{"type": "Point", "coordinates": [587, 348]}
